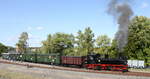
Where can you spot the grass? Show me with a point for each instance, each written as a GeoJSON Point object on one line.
{"type": "Point", "coordinates": [4, 74]}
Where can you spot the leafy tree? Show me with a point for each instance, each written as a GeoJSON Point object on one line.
{"type": "Point", "coordinates": [3, 48]}
{"type": "Point", "coordinates": [22, 43]}
{"type": "Point", "coordinates": [58, 43]}
{"type": "Point", "coordinates": [103, 43]}
{"type": "Point", "coordinates": [80, 41]}
{"type": "Point", "coordinates": [62, 42]}
{"type": "Point", "coordinates": [85, 42]}
{"type": "Point", "coordinates": [103, 40]}
{"type": "Point", "coordinates": [113, 51]}
{"type": "Point", "coordinates": [47, 44]}
{"type": "Point", "coordinates": [138, 46]}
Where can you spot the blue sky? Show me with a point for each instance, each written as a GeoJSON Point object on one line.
{"type": "Point", "coordinates": [42, 17]}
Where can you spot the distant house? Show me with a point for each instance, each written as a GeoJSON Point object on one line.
{"type": "Point", "coordinates": [34, 49]}
{"type": "Point", "coordinates": [12, 51]}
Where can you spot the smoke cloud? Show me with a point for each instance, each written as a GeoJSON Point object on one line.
{"type": "Point", "coordinates": [121, 11]}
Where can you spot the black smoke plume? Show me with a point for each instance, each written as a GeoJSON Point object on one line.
{"type": "Point", "coordinates": [121, 11]}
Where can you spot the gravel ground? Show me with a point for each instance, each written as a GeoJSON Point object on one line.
{"type": "Point", "coordinates": [60, 74]}
{"type": "Point", "coordinates": [147, 70]}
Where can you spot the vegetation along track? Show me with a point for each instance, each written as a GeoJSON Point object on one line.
{"type": "Point", "coordinates": [30, 65]}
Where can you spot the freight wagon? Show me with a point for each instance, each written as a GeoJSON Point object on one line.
{"type": "Point", "coordinates": [73, 60]}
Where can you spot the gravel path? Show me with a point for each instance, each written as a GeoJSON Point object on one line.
{"type": "Point", "coordinates": [61, 74]}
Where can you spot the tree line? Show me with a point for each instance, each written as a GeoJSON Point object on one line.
{"type": "Point", "coordinates": [138, 46]}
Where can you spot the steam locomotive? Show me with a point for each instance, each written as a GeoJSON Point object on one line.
{"type": "Point", "coordinates": [91, 61]}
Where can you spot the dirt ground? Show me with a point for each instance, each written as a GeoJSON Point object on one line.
{"type": "Point", "coordinates": [8, 71]}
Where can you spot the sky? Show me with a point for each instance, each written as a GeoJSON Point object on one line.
{"type": "Point", "coordinates": [42, 17]}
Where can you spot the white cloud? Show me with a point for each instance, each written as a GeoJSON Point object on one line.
{"type": "Point", "coordinates": [30, 35]}
{"type": "Point", "coordinates": [39, 28]}
{"type": "Point", "coordinates": [29, 28]}
{"type": "Point", "coordinates": [34, 40]}
{"type": "Point", "coordinates": [144, 5]}
{"type": "Point", "coordinates": [11, 40]}
{"type": "Point", "coordinates": [35, 28]}
{"type": "Point", "coordinates": [33, 36]}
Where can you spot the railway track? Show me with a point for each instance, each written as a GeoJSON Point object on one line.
{"type": "Point", "coordinates": [30, 65]}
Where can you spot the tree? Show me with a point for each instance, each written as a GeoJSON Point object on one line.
{"type": "Point", "coordinates": [47, 45]}
{"type": "Point", "coordinates": [113, 51]}
{"type": "Point", "coordinates": [3, 49]}
{"type": "Point", "coordinates": [138, 46]}
{"type": "Point", "coordinates": [22, 43]}
{"type": "Point", "coordinates": [58, 43]}
{"type": "Point", "coordinates": [103, 43]}
{"type": "Point", "coordinates": [62, 42]}
{"type": "Point", "coordinates": [85, 42]}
